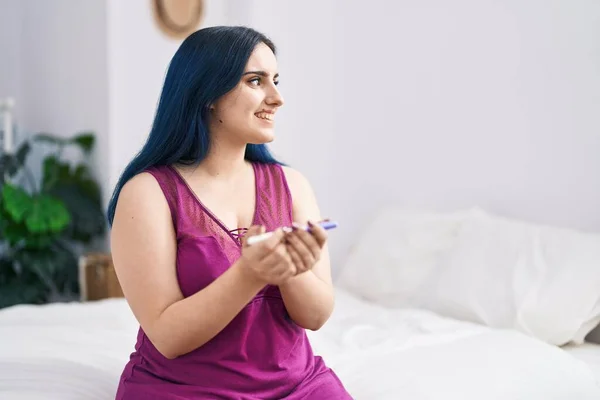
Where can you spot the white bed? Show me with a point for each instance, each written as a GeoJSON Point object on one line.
{"type": "Point", "coordinates": [77, 351]}
{"type": "Point", "coordinates": [589, 353]}
{"type": "Point", "coordinates": [415, 354]}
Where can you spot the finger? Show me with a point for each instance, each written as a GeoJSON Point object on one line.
{"type": "Point", "coordinates": [273, 241]}
{"type": "Point", "coordinates": [290, 269]}
{"type": "Point", "coordinates": [296, 248]}
{"type": "Point", "coordinates": [286, 261]}
{"type": "Point", "coordinates": [306, 254]}
{"type": "Point", "coordinates": [277, 256]}
{"type": "Point", "coordinates": [309, 241]}
{"type": "Point", "coordinates": [287, 271]}
{"type": "Point", "coordinates": [284, 270]}
{"type": "Point", "coordinates": [296, 259]}
{"type": "Point", "coordinates": [254, 230]}
{"type": "Point", "coordinates": [318, 232]}
{"type": "Point", "coordinates": [282, 252]}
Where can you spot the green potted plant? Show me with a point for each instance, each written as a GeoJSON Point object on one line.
{"type": "Point", "coordinates": [45, 225]}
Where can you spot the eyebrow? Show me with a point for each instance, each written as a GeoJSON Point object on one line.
{"type": "Point", "coordinates": [261, 73]}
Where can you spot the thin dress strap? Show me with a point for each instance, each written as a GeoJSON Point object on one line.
{"type": "Point", "coordinates": [169, 187]}
{"type": "Point", "coordinates": [274, 200]}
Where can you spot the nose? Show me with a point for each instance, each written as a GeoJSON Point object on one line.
{"type": "Point", "coordinates": [274, 98]}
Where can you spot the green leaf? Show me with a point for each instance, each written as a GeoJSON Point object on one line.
{"type": "Point", "coordinates": [41, 241]}
{"type": "Point", "coordinates": [8, 165]}
{"type": "Point", "coordinates": [16, 202]}
{"type": "Point", "coordinates": [87, 215]}
{"type": "Point", "coordinates": [52, 170]}
{"type": "Point", "coordinates": [81, 196]}
{"type": "Point", "coordinates": [81, 172]}
{"type": "Point", "coordinates": [54, 267]}
{"type": "Point", "coordinates": [5, 162]}
{"type": "Point", "coordinates": [80, 177]}
{"type": "Point", "coordinates": [47, 215]}
{"type": "Point", "coordinates": [41, 214]}
{"type": "Point", "coordinates": [50, 138]}
{"type": "Point", "coordinates": [92, 190]}
{"type": "Point", "coordinates": [19, 288]}
{"type": "Point", "coordinates": [17, 292]}
{"type": "Point", "coordinates": [38, 261]}
{"type": "Point", "coordinates": [67, 273]}
{"type": "Point", "coordinates": [11, 163]}
{"type": "Point", "coordinates": [6, 269]}
{"type": "Point", "coordinates": [15, 233]}
{"type": "Point", "coordinates": [85, 140]}
{"type": "Point", "coordinates": [87, 185]}
{"type": "Point", "coordinates": [18, 235]}
{"type": "Point", "coordinates": [4, 220]}
{"type": "Point", "coordinates": [22, 153]}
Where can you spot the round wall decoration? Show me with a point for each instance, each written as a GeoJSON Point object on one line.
{"type": "Point", "coordinates": [178, 18]}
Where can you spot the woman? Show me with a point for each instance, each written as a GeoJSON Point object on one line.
{"type": "Point", "coordinates": [220, 319]}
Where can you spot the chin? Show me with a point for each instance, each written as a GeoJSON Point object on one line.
{"type": "Point", "coordinates": [262, 138]}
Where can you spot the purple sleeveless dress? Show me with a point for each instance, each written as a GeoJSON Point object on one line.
{"type": "Point", "coordinates": [261, 354]}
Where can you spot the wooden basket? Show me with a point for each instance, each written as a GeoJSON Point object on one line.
{"type": "Point", "coordinates": [97, 277]}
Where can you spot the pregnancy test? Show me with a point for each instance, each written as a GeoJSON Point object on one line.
{"type": "Point", "coordinates": [264, 236]}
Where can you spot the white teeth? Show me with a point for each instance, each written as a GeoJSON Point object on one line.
{"type": "Point", "coordinates": [264, 115]}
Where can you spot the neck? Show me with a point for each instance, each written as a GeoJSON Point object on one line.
{"type": "Point", "coordinates": [224, 160]}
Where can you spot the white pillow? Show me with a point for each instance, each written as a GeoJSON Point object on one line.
{"type": "Point", "coordinates": [397, 254]}
{"type": "Point", "coordinates": [540, 280]}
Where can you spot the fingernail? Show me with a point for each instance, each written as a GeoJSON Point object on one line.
{"type": "Point", "coordinates": [295, 226]}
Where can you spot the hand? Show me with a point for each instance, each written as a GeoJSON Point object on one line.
{"type": "Point", "coordinates": [268, 261]}
{"type": "Point", "coordinates": [305, 247]}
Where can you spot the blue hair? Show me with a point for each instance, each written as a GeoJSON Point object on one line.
{"type": "Point", "coordinates": [208, 64]}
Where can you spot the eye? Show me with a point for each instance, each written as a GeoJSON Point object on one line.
{"type": "Point", "coordinates": [256, 81]}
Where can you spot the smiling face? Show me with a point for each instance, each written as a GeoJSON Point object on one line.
{"type": "Point", "coordinates": [247, 113]}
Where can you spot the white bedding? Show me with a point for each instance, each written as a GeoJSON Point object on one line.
{"type": "Point", "coordinates": [77, 351]}
{"type": "Point", "coordinates": [64, 351]}
{"type": "Point", "coordinates": [589, 353]}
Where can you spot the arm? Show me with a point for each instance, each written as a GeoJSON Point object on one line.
{"type": "Point", "coordinates": [144, 252]}
{"type": "Point", "coordinates": [308, 297]}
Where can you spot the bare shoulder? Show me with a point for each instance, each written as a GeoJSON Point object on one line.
{"type": "Point", "coordinates": [141, 206]}
{"type": "Point", "coordinates": [140, 196]}
{"type": "Point", "coordinates": [303, 197]}
{"type": "Point", "coordinates": [143, 187]}
{"type": "Point", "coordinates": [297, 182]}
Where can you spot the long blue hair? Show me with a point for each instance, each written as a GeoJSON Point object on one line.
{"type": "Point", "coordinates": [208, 64]}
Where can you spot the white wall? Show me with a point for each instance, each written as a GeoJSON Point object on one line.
{"type": "Point", "coordinates": [138, 60]}
{"type": "Point", "coordinates": [444, 105]}
{"type": "Point", "coordinates": [10, 52]}
{"type": "Point", "coordinates": [64, 70]}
